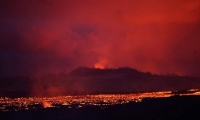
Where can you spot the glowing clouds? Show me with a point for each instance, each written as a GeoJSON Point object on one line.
{"type": "Point", "coordinates": [58, 36]}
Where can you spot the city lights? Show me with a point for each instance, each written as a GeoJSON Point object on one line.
{"type": "Point", "coordinates": [79, 101]}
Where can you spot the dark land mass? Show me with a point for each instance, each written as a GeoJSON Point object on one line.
{"type": "Point", "coordinates": [85, 80]}
{"type": "Point", "coordinates": [172, 108]}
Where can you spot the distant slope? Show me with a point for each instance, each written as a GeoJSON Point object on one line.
{"type": "Point", "coordinates": [84, 80]}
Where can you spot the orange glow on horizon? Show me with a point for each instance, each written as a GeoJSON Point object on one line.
{"type": "Point", "coordinates": [98, 65]}
{"type": "Point", "coordinates": [102, 64]}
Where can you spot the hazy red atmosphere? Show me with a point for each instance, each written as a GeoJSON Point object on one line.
{"type": "Point", "coordinates": [38, 37]}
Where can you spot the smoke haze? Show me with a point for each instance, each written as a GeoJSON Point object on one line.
{"type": "Point", "coordinates": [39, 37]}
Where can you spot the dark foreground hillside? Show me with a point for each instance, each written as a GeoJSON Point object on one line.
{"type": "Point", "coordinates": [85, 80]}
{"type": "Point", "coordinates": [172, 108]}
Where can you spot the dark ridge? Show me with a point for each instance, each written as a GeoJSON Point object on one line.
{"type": "Point", "coordinates": [85, 71]}
{"type": "Point", "coordinates": [84, 80]}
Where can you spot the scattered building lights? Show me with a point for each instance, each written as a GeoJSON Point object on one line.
{"type": "Point", "coordinates": [102, 100]}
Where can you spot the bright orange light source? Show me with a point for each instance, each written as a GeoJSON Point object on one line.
{"type": "Point", "coordinates": [46, 104]}
{"type": "Point", "coordinates": [101, 64]}
{"type": "Point", "coordinates": [98, 65]}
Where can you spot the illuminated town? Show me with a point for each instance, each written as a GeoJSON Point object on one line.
{"type": "Point", "coordinates": [102, 100]}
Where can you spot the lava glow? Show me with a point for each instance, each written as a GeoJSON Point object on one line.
{"type": "Point", "coordinates": [102, 64]}
{"type": "Point", "coordinates": [46, 104]}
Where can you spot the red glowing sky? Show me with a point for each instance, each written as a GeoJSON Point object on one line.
{"type": "Point", "coordinates": [39, 37]}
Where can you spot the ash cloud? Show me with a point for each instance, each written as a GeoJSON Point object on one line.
{"type": "Point", "coordinates": [42, 37]}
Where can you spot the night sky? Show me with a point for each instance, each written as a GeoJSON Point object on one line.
{"type": "Point", "coordinates": [39, 37]}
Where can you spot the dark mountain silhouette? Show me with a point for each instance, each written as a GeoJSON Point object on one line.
{"type": "Point", "coordinates": [84, 80]}
{"type": "Point", "coordinates": [85, 71]}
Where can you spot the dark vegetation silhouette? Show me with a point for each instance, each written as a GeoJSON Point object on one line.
{"type": "Point", "coordinates": [84, 80]}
